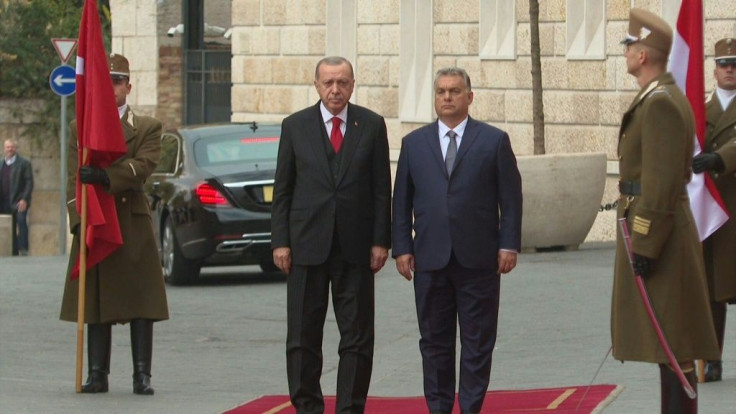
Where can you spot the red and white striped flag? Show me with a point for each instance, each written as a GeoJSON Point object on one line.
{"type": "Point", "coordinates": [686, 64]}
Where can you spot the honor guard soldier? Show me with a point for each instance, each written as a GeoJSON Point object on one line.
{"type": "Point", "coordinates": [655, 153]}
{"type": "Point", "coordinates": [128, 285]}
{"type": "Point", "coordinates": [719, 160]}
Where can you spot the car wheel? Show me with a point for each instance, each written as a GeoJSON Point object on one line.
{"type": "Point", "coordinates": [268, 266]}
{"type": "Point", "coordinates": [178, 270]}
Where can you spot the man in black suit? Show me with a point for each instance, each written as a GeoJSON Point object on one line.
{"type": "Point", "coordinates": [331, 225]}
{"type": "Point", "coordinates": [16, 186]}
{"type": "Point", "coordinates": [458, 188]}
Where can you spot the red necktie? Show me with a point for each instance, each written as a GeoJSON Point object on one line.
{"type": "Point", "coordinates": [336, 135]}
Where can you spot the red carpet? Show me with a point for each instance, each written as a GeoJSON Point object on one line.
{"type": "Point", "coordinates": [547, 400]}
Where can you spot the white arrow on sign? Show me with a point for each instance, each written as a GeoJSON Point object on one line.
{"type": "Point", "coordinates": [59, 80]}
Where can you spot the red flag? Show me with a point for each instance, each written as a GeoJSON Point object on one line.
{"type": "Point", "coordinates": [686, 64]}
{"type": "Point", "coordinates": [99, 132]}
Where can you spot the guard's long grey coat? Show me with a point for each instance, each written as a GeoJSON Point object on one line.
{"type": "Point", "coordinates": [655, 149]}
{"type": "Point", "coordinates": [129, 283]}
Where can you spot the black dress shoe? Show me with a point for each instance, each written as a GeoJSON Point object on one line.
{"type": "Point", "coordinates": [96, 382]}
{"type": "Point", "coordinates": [713, 371]}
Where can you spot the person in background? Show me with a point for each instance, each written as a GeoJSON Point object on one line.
{"type": "Point", "coordinates": [16, 186]}
{"type": "Point", "coordinates": [128, 285]}
{"type": "Point", "coordinates": [331, 231]}
{"type": "Point", "coordinates": [719, 160]}
{"type": "Point", "coordinates": [655, 150]}
{"type": "Point", "coordinates": [459, 189]}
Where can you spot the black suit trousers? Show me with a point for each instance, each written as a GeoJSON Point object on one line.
{"type": "Point", "coordinates": [308, 288]}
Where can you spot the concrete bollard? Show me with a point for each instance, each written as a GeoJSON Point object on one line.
{"type": "Point", "coordinates": [6, 235]}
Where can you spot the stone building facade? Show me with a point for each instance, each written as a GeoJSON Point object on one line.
{"type": "Point", "coordinates": [45, 212]}
{"type": "Point", "coordinates": [396, 46]}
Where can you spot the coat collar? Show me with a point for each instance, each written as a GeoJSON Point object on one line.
{"type": "Point", "coordinates": [470, 135]}
{"type": "Point", "coordinates": [717, 117]}
{"type": "Point", "coordinates": [354, 128]}
{"type": "Point", "coordinates": [316, 132]}
{"type": "Point", "coordinates": [660, 82]}
{"type": "Point", "coordinates": [129, 122]}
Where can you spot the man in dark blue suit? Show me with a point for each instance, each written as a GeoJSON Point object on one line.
{"type": "Point", "coordinates": [458, 187]}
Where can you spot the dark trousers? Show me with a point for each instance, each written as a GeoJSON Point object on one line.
{"type": "Point", "coordinates": [718, 310]}
{"type": "Point", "coordinates": [308, 289]}
{"type": "Point", "coordinates": [443, 298]}
{"type": "Point", "coordinates": [20, 232]}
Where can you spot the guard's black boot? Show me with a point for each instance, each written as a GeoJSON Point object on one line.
{"type": "Point", "coordinates": [674, 397]}
{"type": "Point", "coordinates": [690, 406]}
{"type": "Point", "coordinates": [141, 342]}
{"type": "Point", "coordinates": [98, 357]}
{"type": "Point", "coordinates": [713, 371]}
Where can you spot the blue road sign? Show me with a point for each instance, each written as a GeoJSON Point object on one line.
{"type": "Point", "coordinates": [63, 80]}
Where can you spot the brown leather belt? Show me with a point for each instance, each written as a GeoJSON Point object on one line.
{"type": "Point", "coordinates": [630, 188]}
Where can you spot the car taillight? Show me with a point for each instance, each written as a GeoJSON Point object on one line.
{"type": "Point", "coordinates": [210, 196]}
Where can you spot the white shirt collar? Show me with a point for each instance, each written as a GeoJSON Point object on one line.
{"type": "Point", "coordinates": [725, 97]}
{"type": "Point", "coordinates": [122, 109]}
{"type": "Point", "coordinates": [11, 160]}
{"type": "Point", "coordinates": [327, 115]}
{"type": "Point", "coordinates": [459, 129]}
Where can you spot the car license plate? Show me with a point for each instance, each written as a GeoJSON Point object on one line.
{"type": "Point", "coordinates": [267, 193]}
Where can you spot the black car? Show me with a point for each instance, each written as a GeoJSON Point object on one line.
{"type": "Point", "coordinates": [211, 198]}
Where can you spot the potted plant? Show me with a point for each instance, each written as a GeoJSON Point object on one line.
{"type": "Point", "coordinates": [562, 192]}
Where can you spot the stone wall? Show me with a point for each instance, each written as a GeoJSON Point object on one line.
{"type": "Point", "coordinates": [170, 97]}
{"type": "Point", "coordinates": [276, 43]}
{"type": "Point", "coordinates": [43, 152]}
{"type": "Point", "coordinates": [136, 36]}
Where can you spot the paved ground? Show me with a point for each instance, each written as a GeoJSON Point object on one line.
{"type": "Point", "coordinates": [224, 343]}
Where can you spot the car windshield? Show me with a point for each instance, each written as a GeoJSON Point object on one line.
{"type": "Point", "coordinates": [235, 149]}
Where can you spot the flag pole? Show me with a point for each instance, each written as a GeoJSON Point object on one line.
{"type": "Point", "coordinates": [82, 291]}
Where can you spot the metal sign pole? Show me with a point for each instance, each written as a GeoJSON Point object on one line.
{"type": "Point", "coordinates": [62, 82]}
{"type": "Point", "coordinates": [62, 186]}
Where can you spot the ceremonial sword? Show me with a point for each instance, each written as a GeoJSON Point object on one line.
{"type": "Point", "coordinates": [623, 225]}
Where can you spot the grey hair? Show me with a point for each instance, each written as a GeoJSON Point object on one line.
{"type": "Point", "coordinates": [333, 61]}
{"type": "Point", "coordinates": [453, 71]}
